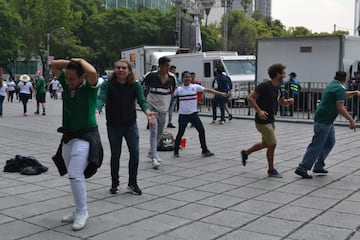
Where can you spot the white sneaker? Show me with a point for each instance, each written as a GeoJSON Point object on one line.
{"type": "Point", "coordinates": [213, 121]}
{"type": "Point", "coordinates": [151, 158]}
{"type": "Point", "coordinates": [68, 218]}
{"type": "Point", "coordinates": [221, 122]}
{"type": "Point", "coordinates": [80, 221]}
{"type": "Point", "coordinates": [155, 163]}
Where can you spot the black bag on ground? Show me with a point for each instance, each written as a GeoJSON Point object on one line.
{"type": "Point", "coordinates": [25, 165]}
{"type": "Point", "coordinates": [166, 142]}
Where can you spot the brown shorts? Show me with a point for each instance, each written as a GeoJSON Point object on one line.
{"type": "Point", "coordinates": [267, 132]}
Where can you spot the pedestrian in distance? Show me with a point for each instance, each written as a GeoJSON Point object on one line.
{"type": "Point", "coordinates": [188, 112]}
{"type": "Point", "coordinates": [331, 104]}
{"type": "Point", "coordinates": [221, 84]}
{"type": "Point", "coordinates": [293, 88]}
{"type": "Point", "coordinates": [81, 139]}
{"type": "Point", "coordinates": [25, 90]}
{"type": "Point", "coordinates": [264, 100]}
{"type": "Point", "coordinates": [161, 85]}
{"type": "Point", "coordinates": [11, 89]}
{"type": "Point", "coordinates": [119, 95]}
{"type": "Point", "coordinates": [3, 92]}
{"type": "Point", "coordinates": [40, 88]}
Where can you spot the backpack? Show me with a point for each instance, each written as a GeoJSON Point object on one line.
{"type": "Point", "coordinates": [25, 165]}
{"type": "Point", "coordinates": [166, 142]}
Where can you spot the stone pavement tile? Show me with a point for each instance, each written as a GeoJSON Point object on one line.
{"type": "Point", "coordinates": [167, 237]}
{"type": "Point", "coordinates": [190, 195]}
{"type": "Point", "coordinates": [272, 226]}
{"type": "Point", "coordinates": [37, 208]}
{"type": "Point", "coordinates": [18, 229]}
{"type": "Point", "coordinates": [256, 207]}
{"type": "Point", "coordinates": [164, 178]}
{"type": "Point", "coordinates": [43, 194]}
{"type": "Point", "coordinates": [347, 183]}
{"type": "Point", "coordinates": [161, 205]}
{"type": "Point", "coordinates": [297, 189]}
{"type": "Point", "coordinates": [315, 231]}
{"type": "Point", "coordinates": [245, 192]}
{"type": "Point", "coordinates": [327, 192]}
{"type": "Point", "coordinates": [278, 197]}
{"type": "Point", "coordinates": [186, 173]}
{"type": "Point", "coordinates": [22, 188]}
{"type": "Point", "coordinates": [295, 213]}
{"type": "Point", "coordinates": [247, 235]}
{"type": "Point", "coordinates": [340, 220]}
{"type": "Point", "coordinates": [266, 185]}
{"type": "Point", "coordinates": [55, 182]}
{"type": "Point", "coordinates": [193, 211]}
{"type": "Point", "coordinates": [108, 221]}
{"type": "Point", "coordinates": [238, 180]}
{"type": "Point", "coordinates": [221, 201]}
{"type": "Point", "coordinates": [125, 232]}
{"type": "Point", "coordinates": [213, 176]}
{"type": "Point", "coordinates": [163, 190]}
{"type": "Point", "coordinates": [217, 187]}
{"type": "Point", "coordinates": [199, 231]}
{"type": "Point", "coordinates": [356, 236]}
{"type": "Point", "coordinates": [355, 197]}
{"type": "Point", "coordinates": [5, 219]}
{"type": "Point", "coordinates": [51, 219]}
{"type": "Point", "coordinates": [189, 183]}
{"type": "Point", "coordinates": [12, 201]}
{"type": "Point", "coordinates": [49, 234]}
{"type": "Point", "coordinates": [6, 182]}
{"type": "Point", "coordinates": [321, 203]}
{"type": "Point", "coordinates": [128, 199]}
{"type": "Point", "coordinates": [215, 166]}
{"type": "Point", "coordinates": [347, 207]}
{"type": "Point", "coordinates": [320, 180]}
{"type": "Point", "coordinates": [230, 218]}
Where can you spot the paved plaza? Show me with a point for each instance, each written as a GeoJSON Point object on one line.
{"type": "Point", "coordinates": [190, 197]}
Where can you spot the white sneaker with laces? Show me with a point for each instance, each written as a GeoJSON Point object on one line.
{"type": "Point", "coordinates": [68, 218]}
{"type": "Point", "coordinates": [80, 221]}
{"type": "Point", "coordinates": [155, 163]}
{"type": "Point", "coordinates": [151, 158]}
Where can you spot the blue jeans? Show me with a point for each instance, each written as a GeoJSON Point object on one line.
{"type": "Point", "coordinates": [131, 135]}
{"type": "Point", "coordinates": [171, 108]}
{"type": "Point", "coordinates": [219, 100]}
{"type": "Point", "coordinates": [1, 104]}
{"type": "Point", "coordinates": [321, 145]}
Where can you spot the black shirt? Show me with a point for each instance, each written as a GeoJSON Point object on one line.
{"type": "Point", "coordinates": [267, 100]}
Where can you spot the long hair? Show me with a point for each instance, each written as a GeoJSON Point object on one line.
{"type": "Point", "coordinates": [1, 82]}
{"type": "Point", "coordinates": [130, 80]}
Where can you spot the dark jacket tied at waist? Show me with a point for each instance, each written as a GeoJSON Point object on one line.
{"type": "Point", "coordinates": [96, 152]}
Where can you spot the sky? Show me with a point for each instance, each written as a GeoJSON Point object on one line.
{"type": "Point", "coordinates": [316, 15]}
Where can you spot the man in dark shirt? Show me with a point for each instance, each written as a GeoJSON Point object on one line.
{"type": "Point", "coordinates": [264, 100]}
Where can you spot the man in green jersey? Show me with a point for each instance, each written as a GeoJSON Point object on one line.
{"type": "Point", "coordinates": [40, 95]}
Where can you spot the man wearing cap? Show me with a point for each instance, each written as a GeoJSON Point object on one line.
{"type": "Point", "coordinates": [293, 88]}
{"type": "Point", "coordinates": [331, 104]}
{"type": "Point", "coordinates": [25, 88]}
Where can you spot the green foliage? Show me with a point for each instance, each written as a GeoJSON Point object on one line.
{"type": "Point", "coordinates": [10, 27]}
{"type": "Point", "coordinates": [211, 37]}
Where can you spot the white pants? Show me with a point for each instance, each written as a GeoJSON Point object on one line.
{"type": "Point", "coordinates": [75, 154]}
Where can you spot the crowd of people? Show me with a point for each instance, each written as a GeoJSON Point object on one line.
{"type": "Point", "coordinates": [80, 152]}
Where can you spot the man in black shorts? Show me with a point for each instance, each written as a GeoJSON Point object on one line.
{"type": "Point", "coordinates": [40, 95]}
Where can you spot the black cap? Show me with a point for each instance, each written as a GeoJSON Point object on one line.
{"type": "Point", "coordinates": [340, 76]}
{"type": "Point", "coordinates": [292, 74]}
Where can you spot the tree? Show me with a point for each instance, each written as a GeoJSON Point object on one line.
{"type": "Point", "coordinates": [10, 26]}
{"type": "Point", "coordinates": [211, 37]}
{"type": "Point", "coordinates": [299, 31]}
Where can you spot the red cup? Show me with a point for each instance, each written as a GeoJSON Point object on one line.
{"type": "Point", "coordinates": [183, 142]}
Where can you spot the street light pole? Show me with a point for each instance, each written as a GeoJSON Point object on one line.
{"type": "Point", "coordinates": [48, 38]}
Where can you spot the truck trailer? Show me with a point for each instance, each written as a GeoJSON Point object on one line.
{"type": "Point", "coordinates": [145, 58]}
{"type": "Point", "coordinates": [313, 59]}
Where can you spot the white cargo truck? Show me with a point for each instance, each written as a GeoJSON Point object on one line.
{"type": "Point", "coordinates": [145, 58]}
{"type": "Point", "coordinates": [313, 59]}
{"type": "Point", "coordinates": [240, 69]}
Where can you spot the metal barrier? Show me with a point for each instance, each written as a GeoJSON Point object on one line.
{"type": "Point", "coordinates": [303, 109]}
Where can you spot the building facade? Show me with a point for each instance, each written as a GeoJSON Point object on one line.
{"type": "Point", "coordinates": [153, 4]}
{"type": "Point", "coordinates": [264, 7]}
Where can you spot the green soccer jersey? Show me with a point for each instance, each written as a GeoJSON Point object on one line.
{"type": "Point", "coordinates": [79, 106]}
{"type": "Point", "coordinates": [327, 110]}
{"type": "Point", "coordinates": [40, 85]}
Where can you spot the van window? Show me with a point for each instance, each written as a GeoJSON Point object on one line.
{"type": "Point", "coordinates": [207, 69]}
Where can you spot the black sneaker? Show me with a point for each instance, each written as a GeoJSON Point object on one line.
{"type": "Point", "coordinates": [176, 154]}
{"type": "Point", "coordinates": [244, 157]}
{"type": "Point", "coordinates": [134, 189]}
{"type": "Point", "coordinates": [320, 170]}
{"type": "Point", "coordinates": [43, 113]}
{"type": "Point", "coordinates": [303, 174]}
{"type": "Point", "coordinates": [207, 154]}
{"type": "Point", "coordinates": [170, 125]}
{"type": "Point", "coordinates": [230, 116]}
{"type": "Point", "coordinates": [36, 113]}
{"type": "Point", "coordinates": [113, 190]}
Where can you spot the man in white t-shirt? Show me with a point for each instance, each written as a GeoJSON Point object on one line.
{"type": "Point", "coordinates": [54, 87]}
{"type": "Point", "coordinates": [188, 111]}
